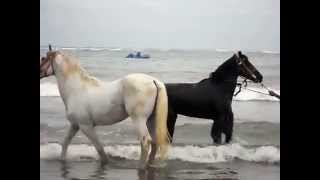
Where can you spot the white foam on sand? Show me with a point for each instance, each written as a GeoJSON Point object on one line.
{"type": "Point", "coordinates": [208, 154]}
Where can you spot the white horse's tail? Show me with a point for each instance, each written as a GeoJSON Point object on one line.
{"type": "Point", "coordinates": [160, 120]}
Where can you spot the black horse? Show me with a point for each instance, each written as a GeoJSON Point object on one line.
{"type": "Point", "coordinates": [211, 98]}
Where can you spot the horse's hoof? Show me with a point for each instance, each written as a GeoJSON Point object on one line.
{"type": "Point", "coordinates": [157, 164]}
{"type": "Point", "coordinates": [142, 166]}
{"type": "Point", "coordinates": [62, 159]}
{"type": "Point", "coordinates": [217, 143]}
{"type": "Point", "coordinates": [104, 160]}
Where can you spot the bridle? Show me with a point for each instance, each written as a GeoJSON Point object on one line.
{"type": "Point", "coordinates": [241, 64]}
{"type": "Point", "coordinates": [244, 82]}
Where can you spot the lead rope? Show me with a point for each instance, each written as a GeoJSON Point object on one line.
{"type": "Point", "coordinates": [244, 82]}
{"type": "Point", "coordinates": [271, 93]}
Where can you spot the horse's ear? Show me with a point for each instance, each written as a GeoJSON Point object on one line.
{"type": "Point", "coordinates": [239, 53]}
{"type": "Point", "coordinates": [50, 49]}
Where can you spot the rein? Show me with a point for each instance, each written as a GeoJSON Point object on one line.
{"type": "Point", "coordinates": [244, 84]}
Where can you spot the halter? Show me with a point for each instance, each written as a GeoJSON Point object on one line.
{"type": "Point", "coordinates": [244, 82]}
{"type": "Point", "coordinates": [244, 66]}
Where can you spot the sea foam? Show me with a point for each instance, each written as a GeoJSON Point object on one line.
{"type": "Point", "coordinates": [190, 153]}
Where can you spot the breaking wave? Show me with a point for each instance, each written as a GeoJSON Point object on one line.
{"type": "Point", "coordinates": [190, 153]}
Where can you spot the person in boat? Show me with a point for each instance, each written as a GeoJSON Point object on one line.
{"type": "Point", "coordinates": [130, 55]}
{"type": "Point", "coordinates": [138, 54]}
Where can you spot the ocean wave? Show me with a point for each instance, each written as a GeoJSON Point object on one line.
{"type": "Point", "coordinates": [223, 50]}
{"type": "Point", "coordinates": [68, 48]}
{"type": "Point", "coordinates": [115, 49]}
{"type": "Point", "coordinates": [248, 51]}
{"type": "Point", "coordinates": [51, 89]}
{"type": "Point", "coordinates": [270, 52]}
{"type": "Point", "coordinates": [190, 153]}
{"type": "Point", "coordinates": [93, 49]}
{"type": "Point", "coordinates": [84, 48]}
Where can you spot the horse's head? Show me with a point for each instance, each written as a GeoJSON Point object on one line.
{"type": "Point", "coordinates": [46, 67]}
{"type": "Point", "coordinates": [247, 70]}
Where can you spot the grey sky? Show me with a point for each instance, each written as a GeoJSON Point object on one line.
{"type": "Point", "coordinates": [209, 24]}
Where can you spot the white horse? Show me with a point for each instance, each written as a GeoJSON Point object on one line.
{"type": "Point", "coordinates": [90, 102]}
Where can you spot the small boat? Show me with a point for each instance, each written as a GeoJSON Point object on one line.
{"type": "Point", "coordinates": [138, 56]}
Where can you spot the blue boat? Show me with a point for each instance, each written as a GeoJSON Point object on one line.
{"type": "Point", "coordinates": [138, 56]}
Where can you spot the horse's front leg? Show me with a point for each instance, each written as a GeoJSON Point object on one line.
{"type": "Point", "coordinates": [228, 127]}
{"type": "Point", "coordinates": [71, 133]}
{"type": "Point", "coordinates": [89, 131]}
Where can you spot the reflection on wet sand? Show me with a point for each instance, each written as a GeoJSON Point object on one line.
{"type": "Point", "coordinates": [85, 170]}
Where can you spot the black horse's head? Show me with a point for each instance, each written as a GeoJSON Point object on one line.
{"type": "Point", "coordinates": [237, 65]}
{"type": "Point", "coordinates": [247, 70]}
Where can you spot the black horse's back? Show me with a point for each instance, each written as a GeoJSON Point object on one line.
{"type": "Point", "coordinates": [190, 100]}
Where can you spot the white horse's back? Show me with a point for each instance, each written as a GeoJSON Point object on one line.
{"type": "Point", "coordinates": [106, 103]}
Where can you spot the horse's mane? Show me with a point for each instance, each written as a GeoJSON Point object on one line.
{"type": "Point", "coordinates": [76, 67]}
{"type": "Point", "coordinates": [223, 70]}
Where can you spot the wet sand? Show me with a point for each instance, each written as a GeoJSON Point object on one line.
{"type": "Point", "coordinates": [124, 169]}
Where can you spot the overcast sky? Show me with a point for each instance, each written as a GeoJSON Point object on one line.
{"type": "Point", "coordinates": [181, 24]}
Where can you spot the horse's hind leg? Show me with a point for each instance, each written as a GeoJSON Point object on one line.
{"type": "Point", "coordinates": [89, 131]}
{"type": "Point", "coordinates": [153, 153]}
{"type": "Point", "coordinates": [71, 133]}
{"type": "Point", "coordinates": [144, 138]}
{"type": "Point", "coordinates": [172, 117]}
{"type": "Point", "coordinates": [216, 130]}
